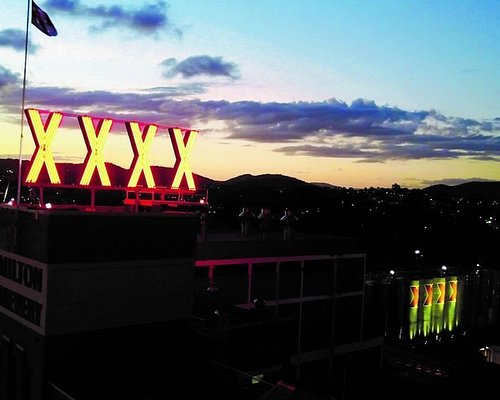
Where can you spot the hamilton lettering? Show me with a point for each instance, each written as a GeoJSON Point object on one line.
{"type": "Point", "coordinates": [95, 132]}
{"type": "Point", "coordinates": [25, 274]}
{"type": "Point", "coordinates": [26, 308]}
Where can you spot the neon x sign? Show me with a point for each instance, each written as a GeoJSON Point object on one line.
{"type": "Point", "coordinates": [43, 135]}
{"type": "Point", "coordinates": [95, 132]}
{"type": "Point", "coordinates": [182, 149]}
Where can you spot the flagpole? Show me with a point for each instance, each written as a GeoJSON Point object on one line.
{"type": "Point", "coordinates": [19, 172]}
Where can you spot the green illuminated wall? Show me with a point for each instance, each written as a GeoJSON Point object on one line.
{"type": "Point", "coordinates": [433, 306]}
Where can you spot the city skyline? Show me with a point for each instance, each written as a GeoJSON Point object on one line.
{"type": "Point", "coordinates": [354, 94]}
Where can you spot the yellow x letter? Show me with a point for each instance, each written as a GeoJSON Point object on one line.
{"type": "Point", "coordinates": [43, 136]}
{"type": "Point", "coordinates": [141, 144]}
{"type": "Point", "coordinates": [182, 149]}
{"type": "Point", "coordinates": [95, 143]}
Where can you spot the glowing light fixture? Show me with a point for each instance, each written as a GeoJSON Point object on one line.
{"type": "Point", "coordinates": [414, 294]}
{"type": "Point", "coordinates": [182, 148]}
{"type": "Point", "coordinates": [43, 135]}
{"type": "Point", "coordinates": [453, 291]}
{"type": "Point", "coordinates": [95, 132]}
{"type": "Point", "coordinates": [141, 145]}
{"type": "Point", "coordinates": [441, 288]}
{"type": "Point", "coordinates": [95, 140]}
{"type": "Point", "coordinates": [428, 294]}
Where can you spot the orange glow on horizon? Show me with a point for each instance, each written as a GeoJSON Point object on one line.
{"type": "Point", "coordinates": [141, 145]}
{"type": "Point", "coordinates": [183, 146]}
{"type": "Point", "coordinates": [95, 140]}
{"type": "Point", "coordinates": [43, 135]}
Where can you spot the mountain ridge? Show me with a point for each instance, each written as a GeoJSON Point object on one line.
{"type": "Point", "coordinates": [467, 189]}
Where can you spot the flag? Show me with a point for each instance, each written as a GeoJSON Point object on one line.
{"type": "Point", "coordinates": [41, 20]}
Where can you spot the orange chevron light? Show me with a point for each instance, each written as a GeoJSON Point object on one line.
{"type": "Point", "coordinates": [414, 296]}
{"type": "Point", "coordinates": [95, 143]}
{"type": "Point", "coordinates": [428, 294]}
{"type": "Point", "coordinates": [441, 286]}
{"type": "Point", "coordinates": [453, 291]}
{"type": "Point", "coordinates": [141, 145]}
{"type": "Point", "coordinates": [43, 135]}
{"type": "Point", "coordinates": [182, 149]}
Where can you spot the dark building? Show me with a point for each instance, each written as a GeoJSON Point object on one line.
{"type": "Point", "coordinates": [134, 306]}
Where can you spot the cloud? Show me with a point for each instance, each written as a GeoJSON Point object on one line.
{"type": "Point", "coordinates": [149, 19]}
{"type": "Point", "coordinates": [146, 105]}
{"type": "Point", "coordinates": [200, 65]}
{"type": "Point", "coordinates": [362, 131]}
{"type": "Point", "coordinates": [8, 78]}
{"type": "Point", "coordinates": [16, 39]}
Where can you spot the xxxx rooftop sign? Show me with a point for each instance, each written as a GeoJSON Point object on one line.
{"type": "Point", "coordinates": [44, 126]}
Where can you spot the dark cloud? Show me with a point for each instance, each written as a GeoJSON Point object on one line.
{"type": "Point", "coordinates": [16, 39]}
{"type": "Point", "coordinates": [362, 130]}
{"type": "Point", "coordinates": [146, 105]}
{"type": "Point", "coordinates": [486, 158]}
{"type": "Point", "coordinates": [8, 78]}
{"type": "Point", "coordinates": [289, 122]}
{"type": "Point", "coordinates": [200, 65]}
{"type": "Point", "coordinates": [150, 19]}
{"type": "Point", "coordinates": [345, 151]}
{"type": "Point", "coordinates": [373, 153]}
{"type": "Point", "coordinates": [415, 147]}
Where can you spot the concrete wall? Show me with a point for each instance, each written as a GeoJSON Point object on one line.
{"type": "Point", "coordinates": [54, 236]}
{"type": "Point", "coordinates": [107, 295]}
{"type": "Point", "coordinates": [101, 270]}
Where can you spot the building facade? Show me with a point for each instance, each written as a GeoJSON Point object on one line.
{"type": "Point", "coordinates": [132, 305]}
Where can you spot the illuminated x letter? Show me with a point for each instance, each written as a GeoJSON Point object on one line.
{"type": "Point", "coordinates": [453, 291]}
{"type": "Point", "coordinates": [141, 144]}
{"type": "Point", "coordinates": [441, 287]}
{"type": "Point", "coordinates": [95, 143]}
{"type": "Point", "coordinates": [414, 296]}
{"type": "Point", "coordinates": [182, 149]}
{"type": "Point", "coordinates": [43, 136]}
{"type": "Point", "coordinates": [428, 294]}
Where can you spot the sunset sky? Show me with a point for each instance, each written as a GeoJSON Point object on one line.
{"type": "Point", "coordinates": [352, 93]}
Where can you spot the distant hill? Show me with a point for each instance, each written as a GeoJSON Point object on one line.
{"type": "Point", "coordinates": [264, 181]}
{"type": "Point", "coordinates": [489, 190]}
{"type": "Point", "coordinates": [268, 190]}
{"type": "Point", "coordinates": [325, 185]}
